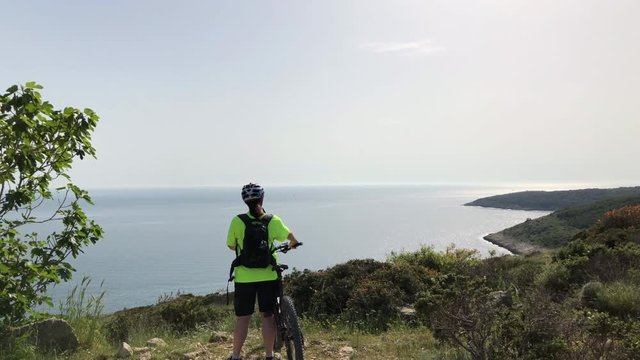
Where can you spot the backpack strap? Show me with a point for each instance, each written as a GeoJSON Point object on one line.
{"type": "Point", "coordinates": [245, 218]}
{"type": "Point", "coordinates": [266, 219]}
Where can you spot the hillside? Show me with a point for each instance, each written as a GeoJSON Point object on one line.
{"type": "Point", "coordinates": [552, 200]}
{"type": "Point", "coordinates": [580, 302]}
{"type": "Point", "coordinates": [557, 228]}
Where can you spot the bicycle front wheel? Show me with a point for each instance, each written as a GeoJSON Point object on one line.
{"type": "Point", "coordinates": [293, 340]}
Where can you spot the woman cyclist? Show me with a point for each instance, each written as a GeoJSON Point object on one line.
{"type": "Point", "coordinates": [252, 279]}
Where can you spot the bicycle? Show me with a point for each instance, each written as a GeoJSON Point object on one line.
{"type": "Point", "coordinates": [287, 326]}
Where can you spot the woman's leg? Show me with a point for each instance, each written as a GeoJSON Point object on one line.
{"type": "Point", "coordinates": [268, 332]}
{"type": "Point", "coordinates": [240, 333]}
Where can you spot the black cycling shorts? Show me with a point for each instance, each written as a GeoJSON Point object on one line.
{"type": "Point", "coordinates": [244, 298]}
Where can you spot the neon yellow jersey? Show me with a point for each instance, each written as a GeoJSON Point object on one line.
{"type": "Point", "coordinates": [277, 231]}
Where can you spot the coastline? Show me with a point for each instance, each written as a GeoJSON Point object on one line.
{"type": "Point", "coordinates": [508, 208]}
{"type": "Point", "coordinates": [512, 244]}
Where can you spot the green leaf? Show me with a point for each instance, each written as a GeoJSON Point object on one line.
{"type": "Point", "coordinates": [32, 85]}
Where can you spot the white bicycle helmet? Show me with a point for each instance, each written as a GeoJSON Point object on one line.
{"type": "Point", "coordinates": [252, 192]}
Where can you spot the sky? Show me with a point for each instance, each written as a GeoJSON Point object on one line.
{"type": "Point", "coordinates": [207, 93]}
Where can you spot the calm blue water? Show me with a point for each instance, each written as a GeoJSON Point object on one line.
{"type": "Point", "coordinates": [162, 241]}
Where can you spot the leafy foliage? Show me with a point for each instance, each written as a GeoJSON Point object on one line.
{"type": "Point", "coordinates": [369, 293]}
{"type": "Point", "coordinates": [628, 216]}
{"type": "Point", "coordinates": [181, 314]}
{"type": "Point", "coordinates": [38, 144]}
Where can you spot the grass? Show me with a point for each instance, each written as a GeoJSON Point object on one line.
{"type": "Point", "coordinates": [324, 340]}
{"type": "Point", "coordinates": [620, 299]}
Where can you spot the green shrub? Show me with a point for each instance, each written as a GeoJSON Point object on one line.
{"type": "Point", "coordinates": [373, 305]}
{"type": "Point", "coordinates": [628, 216]}
{"type": "Point", "coordinates": [452, 260]}
{"type": "Point", "coordinates": [333, 287]}
{"type": "Point", "coordinates": [556, 277]}
{"type": "Point", "coordinates": [118, 328]}
{"type": "Point", "coordinates": [605, 336]}
{"type": "Point", "coordinates": [590, 292]}
{"type": "Point", "coordinates": [406, 281]}
{"type": "Point", "coordinates": [619, 299]}
{"type": "Point", "coordinates": [302, 287]}
{"type": "Point", "coordinates": [188, 314]}
{"type": "Point", "coordinates": [180, 314]}
{"type": "Point", "coordinates": [508, 272]}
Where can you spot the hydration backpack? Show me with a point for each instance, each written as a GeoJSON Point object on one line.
{"type": "Point", "coordinates": [255, 252]}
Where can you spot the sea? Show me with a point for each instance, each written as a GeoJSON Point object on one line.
{"type": "Point", "coordinates": [160, 242]}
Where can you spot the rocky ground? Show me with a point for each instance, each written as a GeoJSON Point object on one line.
{"type": "Point", "coordinates": [515, 246]}
{"type": "Point", "coordinates": [220, 346]}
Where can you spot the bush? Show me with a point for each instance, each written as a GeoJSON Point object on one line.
{"type": "Point", "coordinates": [590, 292]}
{"type": "Point", "coordinates": [406, 281]}
{"type": "Point", "coordinates": [373, 305]}
{"type": "Point", "coordinates": [619, 299]}
{"type": "Point", "coordinates": [118, 328]}
{"type": "Point", "coordinates": [625, 217]}
{"type": "Point", "coordinates": [187, 314]}
{"type": "Point", "coordinates": [606, 337]}
{"type": "Point", "coordinates": [557, 278]}
{"type": "Point", "coordinates": [509, 272]}
{"type": "Point", "coordinates": [452, 260]}
{"type": "Point", "coordinates": [302, 287]}
{"type": "Point", "coordinates": [325, 293]}
{"type": "Point", "coordinates": [180, 314]}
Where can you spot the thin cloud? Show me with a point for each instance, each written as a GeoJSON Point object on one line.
{"type": "Point", "coordinates": [413, 48]}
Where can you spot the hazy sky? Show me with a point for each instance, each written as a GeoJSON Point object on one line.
{"type": "Point", "coordinates": [322, 92]}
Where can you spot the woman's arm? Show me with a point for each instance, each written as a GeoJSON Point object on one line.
{"type": "Point", "coordinates": [293, 242]}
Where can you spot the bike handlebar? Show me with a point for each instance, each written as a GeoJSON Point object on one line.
{"type": "Point", "coordinates": [284, 248]}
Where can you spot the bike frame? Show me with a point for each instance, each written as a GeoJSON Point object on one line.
{"type": "Point", "coordinates": [281, 327]}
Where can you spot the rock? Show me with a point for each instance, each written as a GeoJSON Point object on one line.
{"type": "Point", "coordinates": [219, 336]}
{"type": "Point", "coordinates": [139, 350]}
{"type": "Point", "coordinates": [50, 334]}
{"type": "Point", "coordinates": [124, 351]}
{"type": "Point", "coordinates": [156, 342]}
{"type": "Point", "coordinates": [145, 356]}
{"type": "Point", "coordinates": [201, 353]}
{"type": "Point", "coordinates": [408, 314]}
{"type": "Point", "coordinates": [194, 355]}
{"type": "Point", "coordinates": [407, 311]}
{"type": "Point", "coordinates": [346, 350]}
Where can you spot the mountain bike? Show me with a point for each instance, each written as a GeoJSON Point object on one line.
{"type": "Point", "coordinates": [287, 326]}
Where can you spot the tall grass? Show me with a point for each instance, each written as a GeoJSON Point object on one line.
{"type": "Point", "coordinates": [83, 311]}
{"type": "Point", "coordinates": [620, 299]}
{"type": "Point", "coordinates": [17, 348]}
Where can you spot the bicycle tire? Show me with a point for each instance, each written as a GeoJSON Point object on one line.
{"type": "Point", "coordinates": [294, 340]}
